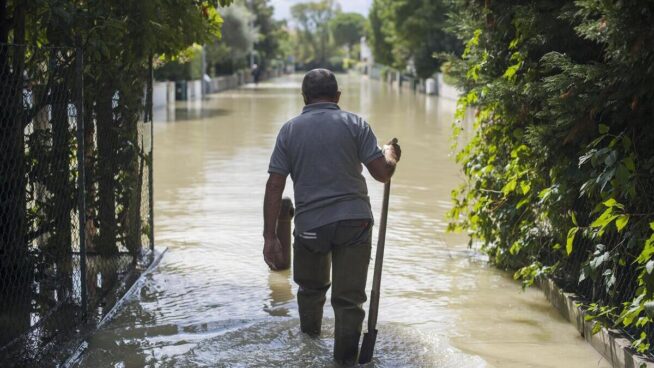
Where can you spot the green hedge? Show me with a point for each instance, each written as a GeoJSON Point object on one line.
{"type": "Point", "coordinates": [179, 70]}
{"type": "Point", "coordinates": [560, 169]}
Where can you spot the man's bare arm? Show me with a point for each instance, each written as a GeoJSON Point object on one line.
{"type": "Point", "coordinates": [272, 203]}
{"type": "Point", "coordinates": [383, 168]}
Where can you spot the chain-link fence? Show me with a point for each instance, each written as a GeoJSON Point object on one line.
{"type": "Point", "coordinates": [589, 273]}
{"type": "Point", "coordinates": [75, 200]}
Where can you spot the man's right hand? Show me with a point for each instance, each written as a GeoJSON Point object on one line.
{"type": "Point", "coordinates": [272, 252]}
{"type": "Point", "coordinates": [392, 151]}
{"type": "Point", "coordinates": [382, 168]}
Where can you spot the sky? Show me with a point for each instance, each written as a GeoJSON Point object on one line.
{"type": "Point", "coordinates": [282, 7]}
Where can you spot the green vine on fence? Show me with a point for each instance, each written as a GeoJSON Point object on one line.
{"type": "Point", "coordinates": [560, 166]}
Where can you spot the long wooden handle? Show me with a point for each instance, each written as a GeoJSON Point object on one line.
{"type": "Point", "coordinates": [379, 260]}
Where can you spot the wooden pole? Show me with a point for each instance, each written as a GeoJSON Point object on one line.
{"type": "Point", "coordinates": [369, 339]}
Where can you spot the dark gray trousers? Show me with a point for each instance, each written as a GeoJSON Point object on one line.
{"type": "Point", "coordinates": [344, 249]}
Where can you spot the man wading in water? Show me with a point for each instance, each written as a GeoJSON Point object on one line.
{"type": "Point", "coordinates": [322, 149]}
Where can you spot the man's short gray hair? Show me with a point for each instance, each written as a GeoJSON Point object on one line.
{"type": "Point", "coordinates": [319, 83]}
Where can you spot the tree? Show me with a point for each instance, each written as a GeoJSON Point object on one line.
{"type": "Point", "coordinates": [347, 29]}
{"type": "Point", "coordinates": [238, 31]}
{"type": "Point", "coordinates": [313, 33]}
{"type": "Point", "coordinates": [119, 40]}
{"type": "Point", "coordinates": [239, 35]}
{"type": "Point", "coordinates": [13, 224]}
{"type": "Point", "coordinates": [272, 33]}
{"type": "Point", "coordinates": [422, 30]}
{"type": "Point", "coordinates": [382, 48]}
{"type": "Point", "coordinates": [412, 33]}
{"type": "Point", "coordinates": [187, 65]}
{"type": "Point", "coordinates": [118, 48]}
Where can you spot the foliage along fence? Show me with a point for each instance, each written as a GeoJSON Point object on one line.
{"type": "Point", "coordinates": [392, 75]}
{"type": "Point", "coordinates": [561, 167]}
{"type": "Point", "coordinates": [75, 200]}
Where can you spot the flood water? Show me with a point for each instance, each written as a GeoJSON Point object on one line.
{"type": "Point", "coordinates": [213, 302]}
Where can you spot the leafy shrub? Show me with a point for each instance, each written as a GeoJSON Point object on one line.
{"type": "Point", "coordinates": [561, 165]}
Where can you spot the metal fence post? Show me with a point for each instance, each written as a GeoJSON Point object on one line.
{"type": "Point", "coordinates": [81, 175]}
{"type": "Point", "coordinates": [151, 166]}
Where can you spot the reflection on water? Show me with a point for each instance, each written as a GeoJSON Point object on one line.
{"type": "Point", "coordinates": [280, 293]}
{"type": "Point", "coordinates": [213, 301]}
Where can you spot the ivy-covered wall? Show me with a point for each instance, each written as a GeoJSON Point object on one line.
{"type": "Point", "coordinates": [560, 171]}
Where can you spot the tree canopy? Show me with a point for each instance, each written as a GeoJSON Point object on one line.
{"type": "Point", "coordinates": [119, 40]}
{"type": "Point", "coordinates": [272, 33]}
{"type": "Point", "coordinates": [239, 35]}
{"type": "Point", "coordinates": [347, 28]}
{"type": "Point", "coordinates": [313, 33]}
{"type": "Point", "coordinates": [411, 33]}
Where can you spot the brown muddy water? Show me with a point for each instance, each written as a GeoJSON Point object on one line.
{"type": "Point", "coordinates": [213, 302]}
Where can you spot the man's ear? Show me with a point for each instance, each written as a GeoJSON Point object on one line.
{"type": "Point", "coordinates": [337, 97]}
{"type": "Point", "coordinates": [306, 101]}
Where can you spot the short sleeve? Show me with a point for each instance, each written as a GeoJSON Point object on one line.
{"type": "Point", "coordinates": [279, 162]}
{"type": "Point", "coordinates": [368, 149]}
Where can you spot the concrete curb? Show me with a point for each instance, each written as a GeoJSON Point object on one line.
{"type": "Point", "coordinates": [611, 343]}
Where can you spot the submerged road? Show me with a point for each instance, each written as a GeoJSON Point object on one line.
{"type": "Point", "coordinates": [213, 302]}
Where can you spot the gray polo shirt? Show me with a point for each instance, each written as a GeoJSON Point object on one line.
{"type": "Point", "coordinates": [323, 149]}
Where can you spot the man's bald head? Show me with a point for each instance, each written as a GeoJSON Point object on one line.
{"type": "Point", "coordinates": [319, 85]}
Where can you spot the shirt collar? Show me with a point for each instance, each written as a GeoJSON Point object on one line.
{"type": "Point", "coordinates": [320, 106]}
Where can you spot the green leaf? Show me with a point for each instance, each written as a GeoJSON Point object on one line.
{"type": "Point", "coordinates": [582, 275]}
{"type": "Point", "coordinates": [522, 202]}
{"type": "Point", "coordinates": [545, 193]}
{"type": "Point", "coordinates": [598, 261]}
{"type": "Point", "coordinates": [597, 327]}
{"type": "Point", "coordinates": [510, 186]}
{"type": "Point", "coordinates": [649, 266]}
{"type": "Point", "coordinates": [603, 129]}
{"type": "Point", "coordinates": [621, 222]}
{"type": "Point", "coordinates": [511, 71]}
{"type": "Point", "coordinates": [525, 187]}
{"type": "Point", "coordinates": [587, 156]}
{"type": "Point", "coordinates": [574, 218]}
{"type": "Point", "coordinates": [622, 174]}
{"type": "Point", "coordinates": [647, 252]}
{"type": "Point", "coordinates": [649, 307]}
{"type": "Point", "coordinates": [634, 311]}
{"type": "Point", "coordinates": [605, 218]}
{"type": "Point", "coordinates": [611, 158]}
{"type": "Point", "coordinates": [570, 240]}
{"type": "Point", "coordinates": [629, 163]}
{"type": "Point", "coordinates": [515, 248]}
{"type": "Point", "coordinates": [611, 202]}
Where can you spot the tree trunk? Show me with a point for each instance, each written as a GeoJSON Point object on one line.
{"type": "Point", "coordinates": [89, 167]}
{"type": "Point", "coordinates": [107, 141]}
{"type": "Point", "coordinates": [134, 187]}
{"type": "Point", "coordinates": [14, 259]}
{"type": "Point", "coordinates": [59, 184]}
